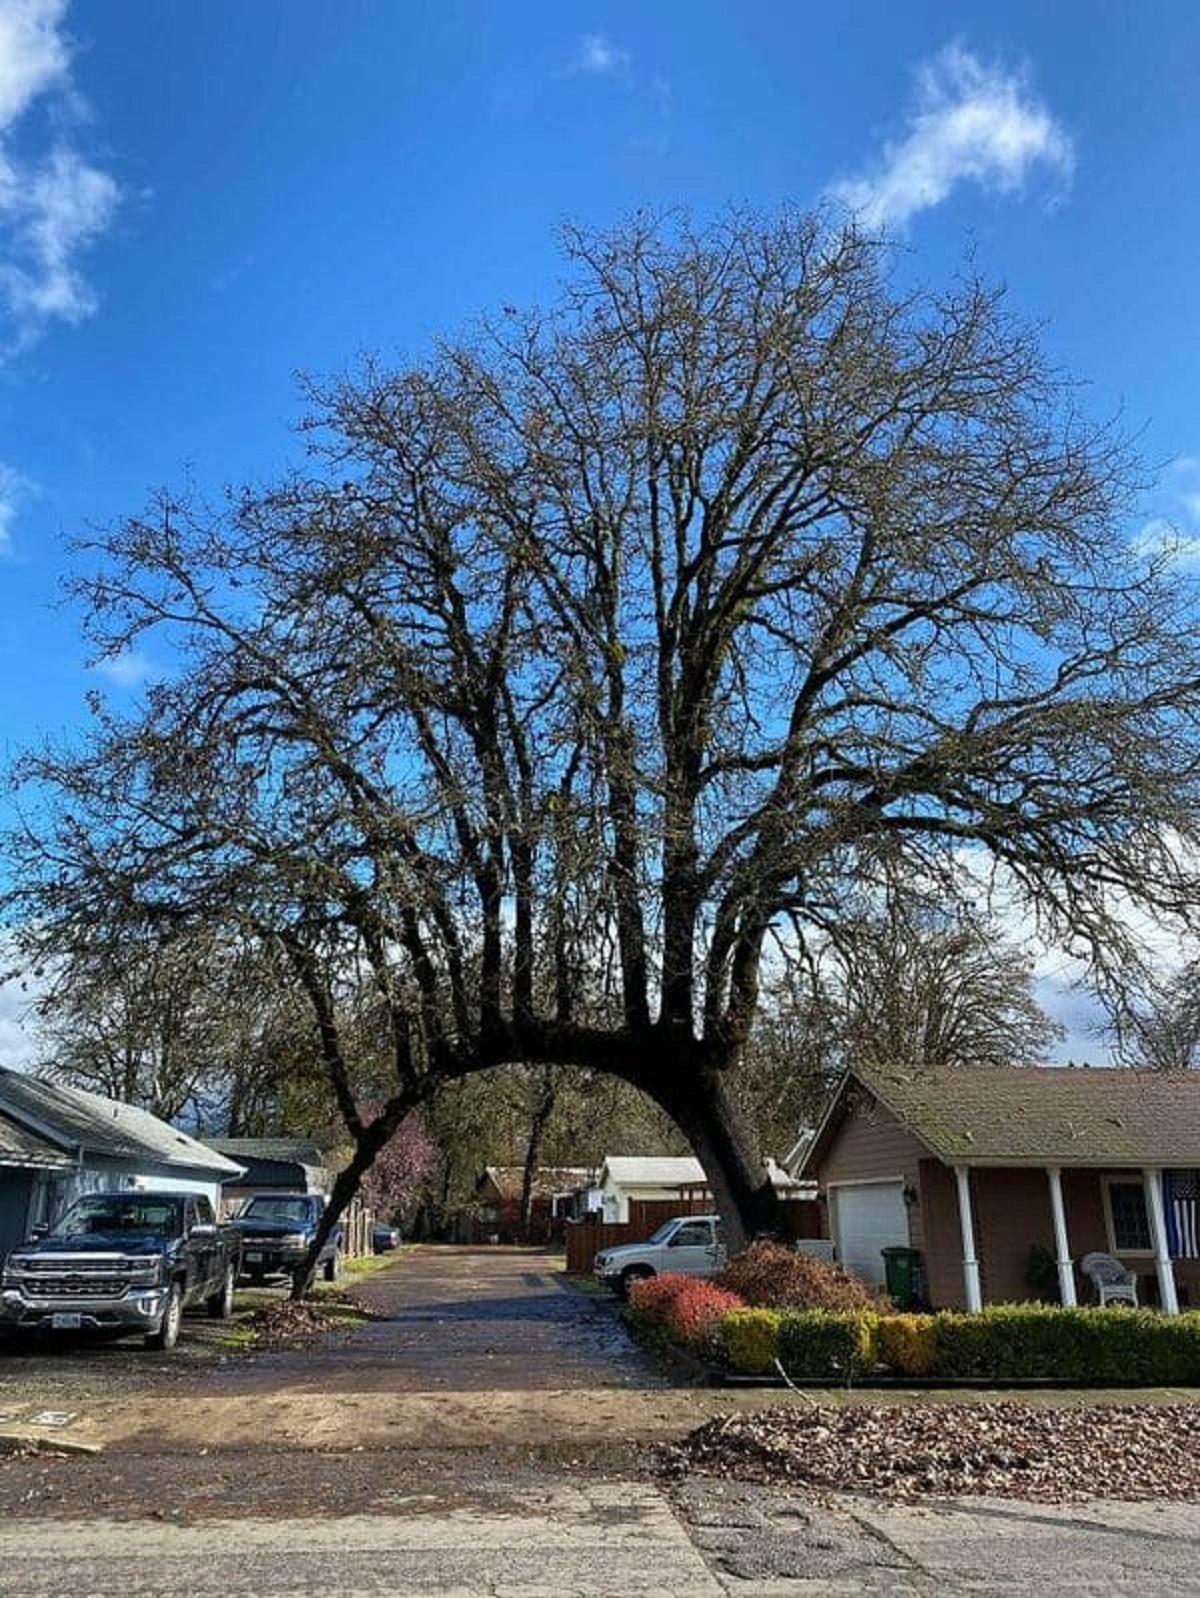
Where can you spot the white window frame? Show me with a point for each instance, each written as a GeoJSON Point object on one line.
{"type": "Point", "coordinates": [1123, 1179]}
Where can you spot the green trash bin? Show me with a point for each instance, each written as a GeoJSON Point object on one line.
{"type": "Point", "coordinates": [903, 1275]}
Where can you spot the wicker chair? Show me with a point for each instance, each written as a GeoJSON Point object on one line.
{"type": "Point", "coordinates": [1113, 1283]}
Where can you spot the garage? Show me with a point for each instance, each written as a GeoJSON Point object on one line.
{"type": "Point", "coordinates": [868, 1217]}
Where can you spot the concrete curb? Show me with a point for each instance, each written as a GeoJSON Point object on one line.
{"type": "Point", "coordinates": [41, 1443]}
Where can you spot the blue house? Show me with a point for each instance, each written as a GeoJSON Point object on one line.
{"type": "Point", "coordinates": [57, 1142]}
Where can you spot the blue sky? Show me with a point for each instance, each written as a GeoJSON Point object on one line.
{"type": "Point", "coordinates": [197, 201]}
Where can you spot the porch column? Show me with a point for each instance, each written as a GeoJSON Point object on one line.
{"type": "Point", "coordinates": [1152, 1182]}
{"type": "Point", "coordinates": [1066, 1276]}
{"type": "Point", "coordinates": [971, 1282]}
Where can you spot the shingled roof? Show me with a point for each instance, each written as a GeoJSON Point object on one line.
{"type": "Point", "coordinates": [19, 1146]}
{"type": "Point", "coordinates": [1036, 1115]}
{"type": "Point", "coordinates": [507, 1181]}
{"type": "Point", "coordinates": [71, 1119]}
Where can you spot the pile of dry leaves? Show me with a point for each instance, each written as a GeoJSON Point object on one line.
{"type": "Point", "coordinates": [286, 1324]}
{"type": "Point", "coordinates": [1009, 1450]}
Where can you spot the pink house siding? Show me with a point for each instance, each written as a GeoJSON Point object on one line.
{"type": "Point", "coordinates": [940, 1228]}
{"type": "Point", "coordinates": [1011, 1211]}
{"type": "Point", "coordinates": [872, 1146]}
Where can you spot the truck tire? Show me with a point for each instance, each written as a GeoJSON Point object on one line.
{"type": "Point", "coordinates": [333, 1267]}
{"type": "Point", "coordinates": [635, 1273]}
{"type": "Point", "coordinates": [220, 1303]}
{"type": "Point", "coordinates": [167, 1334]}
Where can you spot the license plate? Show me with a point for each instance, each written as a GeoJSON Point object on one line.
{"type": "Point", "coordinates": [254, 1256]}
{"type": "Point", "coordinates": [63, 1322]}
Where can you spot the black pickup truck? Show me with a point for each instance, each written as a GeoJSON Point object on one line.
{"type": "Point", "coordinates": [123, 1263]}
{"type": "Point", "coordinates": [277, 1231]}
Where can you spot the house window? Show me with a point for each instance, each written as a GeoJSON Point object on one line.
{"type": "Point", "coordinates": [1128, 1222]}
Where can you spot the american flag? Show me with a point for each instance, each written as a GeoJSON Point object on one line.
{"type": "Point", "coordinates": [1181, 1196]}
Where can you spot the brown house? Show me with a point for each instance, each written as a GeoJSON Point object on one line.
{"type": "Point", "coordinates": [974, 1167]}
{"type": "Point", "coordinates": [494, 1214]}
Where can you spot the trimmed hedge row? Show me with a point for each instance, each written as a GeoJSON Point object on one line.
{"type": "Point", "coordinates": [1005, 1342]}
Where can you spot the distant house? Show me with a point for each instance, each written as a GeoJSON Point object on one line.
{"type": "Point", "coordinates": [57, 1142]}
{"type": "Point", "coordinates": [627, 1178]}
{"type": "Point", "coordinates": [495, 1210]}
{"type": "Point", "coordinates": [974, 1167]}
{"type": "Point", "coordinates": [292, 1164]}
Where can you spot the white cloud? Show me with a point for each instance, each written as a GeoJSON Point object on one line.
{"type": "Point", "coordinates": [13, 489]}
{"type": "Point", "coordinates": [54, 202]}
{"type": "Point", "coordinates": [33, 53]}
{"type": "Point", "coordinates": [599, 56]}
{"type": "Point", "coordinates": [127, 670]}
{"type": "Point", "coordinates": [18, 1043]}
{"type": "Point", "coordinates": [1174, 534]}
{"type": "Point", "coordinates": [1161, 540]}
{"type": "Point", "coordinates": [971, 123]}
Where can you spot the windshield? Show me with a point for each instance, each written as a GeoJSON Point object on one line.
{"type": "Point", "coordinates": [122, 1212]}
{"type": "Point", "coordinates": [663, 1232]}
{"type": "Point", "coordinates": [270, 1208]}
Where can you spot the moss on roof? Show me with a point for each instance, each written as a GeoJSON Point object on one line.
{"type": "Point", "coordinates": [1047, 1115]}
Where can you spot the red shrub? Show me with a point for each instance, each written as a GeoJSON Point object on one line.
{"type": "Point", "coordinates": [681, 1309]}
{"type": "Point", "coordinates": [771, 1276]}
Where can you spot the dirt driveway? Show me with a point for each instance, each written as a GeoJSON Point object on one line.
{"type": "Point", "coordinates": [463, 1320]}
{"type": "Point", "coordinates": [480, 1347]}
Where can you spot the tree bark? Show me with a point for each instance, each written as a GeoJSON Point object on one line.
{"type": "Point", "coordinates": [367, 1146]}
{"type": "Point", "coordinates": [706, 1111]}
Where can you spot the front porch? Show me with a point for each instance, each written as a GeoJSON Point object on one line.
{"type": "Point", "coordinates": [979, 1224]}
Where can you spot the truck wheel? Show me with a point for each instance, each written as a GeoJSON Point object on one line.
{"type": "Point", "coordinates": [220, 1303]}
{"type": "Point", "coordinates": [167, 1334]}
{"type": "Point", "coordinates": [635, 1273]}
{"type": "Point", "coordinates": [333, 1267]}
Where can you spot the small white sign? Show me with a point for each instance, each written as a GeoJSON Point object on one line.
{"type": "Point", "coordinates": [54, 1417]}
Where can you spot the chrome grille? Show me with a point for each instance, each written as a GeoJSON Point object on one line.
{"type": "Point", "coordinates": [68, 1265]}
{"type": "Point", "coordinates": [79, 1286]}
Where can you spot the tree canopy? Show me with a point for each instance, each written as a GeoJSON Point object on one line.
{"type": "Point", "coordinates": [601, 659]}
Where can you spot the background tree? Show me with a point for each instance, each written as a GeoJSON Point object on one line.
{"type": "Point", "coordinates": [398, 1178]}
{"type": "Point", "coordinates": [189, 1026]}
{"type": "Point", "coordinates": [901, 984]}
{"type": "Point", "coordinates": [1159, 1029]}
{"type": "Point", "coordinates": [613, 640]}
{"type": "Point", "coordinates": [924, 988]}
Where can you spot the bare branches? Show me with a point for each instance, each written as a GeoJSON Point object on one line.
{"type": "Point", "coordinates": [605, 644]}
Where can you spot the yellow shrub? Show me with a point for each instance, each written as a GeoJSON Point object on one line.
{"type": "Point", "coordinates": [905, 1344]}
{"type": "Point", "coordinates": [750, 1338]}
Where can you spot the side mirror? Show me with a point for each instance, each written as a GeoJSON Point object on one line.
{"type": "Point", "coordinates": [203, 1229]}
{"type": "Point", "coordinates": [39, 1229]}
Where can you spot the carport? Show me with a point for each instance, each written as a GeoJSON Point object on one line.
{"type": "Point", "coordinates": [28, 1166]}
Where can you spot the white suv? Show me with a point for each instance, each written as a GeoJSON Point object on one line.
{"type": "Point", "coordinates": [688, 1245]}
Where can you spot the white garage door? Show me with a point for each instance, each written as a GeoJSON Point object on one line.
{"type": "Point", "coordinates": [870, 1216]}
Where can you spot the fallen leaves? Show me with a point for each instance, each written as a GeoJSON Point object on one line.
{"type": "Point", "coordinates": [1003, 1450]}
{"type": "Point", "coordinates": [288, 1324]}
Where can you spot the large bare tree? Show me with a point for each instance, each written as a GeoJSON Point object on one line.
{"type": "Point", "coordinates": [605, 651]}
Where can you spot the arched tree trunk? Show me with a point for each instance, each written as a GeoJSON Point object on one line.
{"type": "Point", "coordinates": [368, 1145]}
{"type": "Point", "coordinates": [533, 1152]}
{"type": "Point", "coordinates": [710, 1118]}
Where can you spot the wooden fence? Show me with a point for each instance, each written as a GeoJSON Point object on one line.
{"type": "Point", "coordinates": [356, 1223]}
{"type": "Point", "coordinates": [798, 1218]}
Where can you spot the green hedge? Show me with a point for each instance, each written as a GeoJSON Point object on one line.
{"type": "Point", "coordinates": [1006, 1342]}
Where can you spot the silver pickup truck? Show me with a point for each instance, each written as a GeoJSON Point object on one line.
{"type": "Point", "coordinates": [123, 1263]}
{"type": "Point", "coordinates": [687, 1245]}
